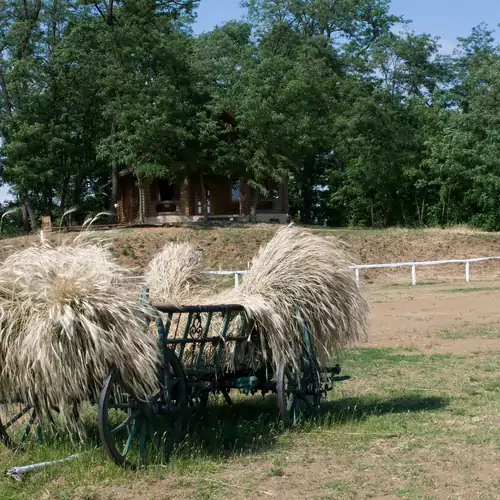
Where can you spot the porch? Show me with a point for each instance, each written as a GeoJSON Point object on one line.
{"type": "Point", "coordinates": [160, 201]}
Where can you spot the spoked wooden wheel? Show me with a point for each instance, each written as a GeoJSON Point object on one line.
{"type": "Point", "coordinates": [298, 392]}
{"type": "Point", "coordinates": [132, 431]}
{"type": "Point", "coordinates": [198, 399]}
{"type": "Point", "coordinates": [19, 425]}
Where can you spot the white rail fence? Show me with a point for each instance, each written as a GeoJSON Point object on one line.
{"type": "Point", "coordinates": [413, 265]}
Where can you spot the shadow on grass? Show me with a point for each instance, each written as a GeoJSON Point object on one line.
{"type": "Point", "coordinates": [254, 425]}
{"type": "Point", "coordinates": [359, 409]}
{"type": "Point", "coordinates": [251, 425]}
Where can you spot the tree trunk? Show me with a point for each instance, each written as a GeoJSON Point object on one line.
{"type": "Point", "coordinates": [403, 212]}
{"type": "Point", "coordinates": [31, 213]}
{"type": "Point", "coordinates": [77, 189]}
{"type": "Point", "coordinates": [372, 214]}
{"type": "Point", "coordinates": [420, 208]}
{"type": "Point", "coordinates": [448, 205]}
{"type": "Point", "coordinates": [203, 193]}
{"type": "Point", "coordinates": [6, 97]}
{"type": "Point", "coordinates": [114, 180]}
{"type": "Point", "coordinates": [255, 202]}
{"type": "Point", "coordinates": [50, 202]}
{"type": "Point", "coordinates": [30, 20]}
{"type": "Point", "coordinates": [26, 221]}
{"type": "Point", "coordinates": [64, 194]}
{"type": "Point", "coordinates": [285, 196]}
{"type": "Point", "coordinates": [307, 190]}
{"type": "Point", "coordinates": [444, 208]}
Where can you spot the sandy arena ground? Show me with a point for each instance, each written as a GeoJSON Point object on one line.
{"type": "Point", "coordinates": [422, 317]}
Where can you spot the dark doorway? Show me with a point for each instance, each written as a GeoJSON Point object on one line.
{"type": "Point", "coordinates": [166, 190]}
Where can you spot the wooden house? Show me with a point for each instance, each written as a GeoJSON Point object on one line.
{"type": "Point", "coordinates": [159, 201]}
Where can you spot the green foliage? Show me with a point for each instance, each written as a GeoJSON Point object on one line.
{"type": "Point", "coordinates": [371, 127]}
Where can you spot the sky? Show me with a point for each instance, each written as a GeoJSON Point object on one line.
{"type": "Point", "coordinates": [448, 19]}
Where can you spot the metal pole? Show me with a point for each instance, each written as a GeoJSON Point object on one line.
{"type": "Point", "coordinates": [467, 272]}
{"type": "Point", "coordinates": [413, 275]}
{"type": "Point", "coordinates": [236, 281]}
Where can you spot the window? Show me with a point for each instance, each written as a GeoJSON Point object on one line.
{"type": "Point", "coordinates": [200, 210]}
{"type": "Point", "coordinates": [235, 190]}
{"type": "Point", "coordinates": [273, 190]}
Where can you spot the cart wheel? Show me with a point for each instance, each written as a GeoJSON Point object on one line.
{"type": "Point", "coordinates": [19, 425]}
{"type": "Point", "coordinates": [198, 400]}
{"type": "Point", "coordinates": [299, 393]}
{"type": "Point", "coordinates": [131, 429]}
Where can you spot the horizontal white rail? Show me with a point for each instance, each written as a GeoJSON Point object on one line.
{"type": "Point", "coordinates": [426, 263]}
{"type": "Point", "coordinates": [412, 265]}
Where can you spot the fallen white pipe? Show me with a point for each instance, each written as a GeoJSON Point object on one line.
{"type": "Point", "coordinates": [17, 472]}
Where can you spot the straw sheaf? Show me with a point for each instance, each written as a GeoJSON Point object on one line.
{"type": "Point", "coordinates": [175, 274]}
{"type": "Point", "coordinates": [302, 278]}
{"type": "Point", "coordinates": [298, 278]}
{"type": "Point", "coordinates": [65, 320]}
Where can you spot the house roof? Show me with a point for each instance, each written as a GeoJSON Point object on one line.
{"type": "Point", "coordinates": [126, 171]}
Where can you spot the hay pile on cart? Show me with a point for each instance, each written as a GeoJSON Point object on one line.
{"type": "Point", "coordinates": [299, 279]}
{"type": "Point", "coordinates": [71, 331]}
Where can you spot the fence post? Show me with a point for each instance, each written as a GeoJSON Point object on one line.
{"type": "Point", "coordinates": [467, 272]}
{"type": "Point", "coordinates": [356, 273]}
{"type": "Point", "coordinates": [236, 281]}
{"type": "Point", "coordinates": [413, 275]}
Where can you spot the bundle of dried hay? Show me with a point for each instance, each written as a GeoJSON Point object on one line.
{"type": "Point", "coordinates": [175, 274]}
{"type": "Point", "coordinates": [174, 277]}
{"type": "Point", "coordinates": [301, 278]}
{"type": "Point", "coordinates": [65, 320]}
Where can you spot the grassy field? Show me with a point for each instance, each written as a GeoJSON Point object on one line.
{"type": "Point", "coordinates": [417, 419]}
{"type": "Point", "coordinates": [406, 425]}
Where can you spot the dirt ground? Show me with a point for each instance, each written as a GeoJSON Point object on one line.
{"type": "Point", "coordinates": [443, 315]}
{"type": "Point", "coordinates": [430, 319]}
{"type": "Point", "coordinates": [440, 319]}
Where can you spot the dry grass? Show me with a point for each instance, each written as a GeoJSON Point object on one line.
{"type": "Point", "coordinates": [301, 278]}
{"type": "Point", "coordinates": [175, 274]}
{"type": "Point", "coordinates": [457, 229]}
{"type": "Point", "coordinates": [174, 277]}
{"type": "Point", "coordinates": [65, 319]}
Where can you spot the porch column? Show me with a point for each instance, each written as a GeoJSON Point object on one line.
{"type": "Point", "coordinates": [244, 197]}
{"type": "Point", "coordinates": [255, 202]}
{"type": "Point", "coordinates": [142, 200]}
{"type": "Point", "coordinates": [184, 197]}
{"type": "Point", "coordinates": [284, 195]}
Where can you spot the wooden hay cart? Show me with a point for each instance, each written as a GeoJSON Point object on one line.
{"type": "Point", "coordinates": [205, 350]}
{"type": "Point", "coordinates": [195, 344]}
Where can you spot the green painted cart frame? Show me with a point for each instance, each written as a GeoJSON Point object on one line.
{"type": "Point", "coordinates": [192, 371]}
{"type": "Point", "coordinates": [132, 431]}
